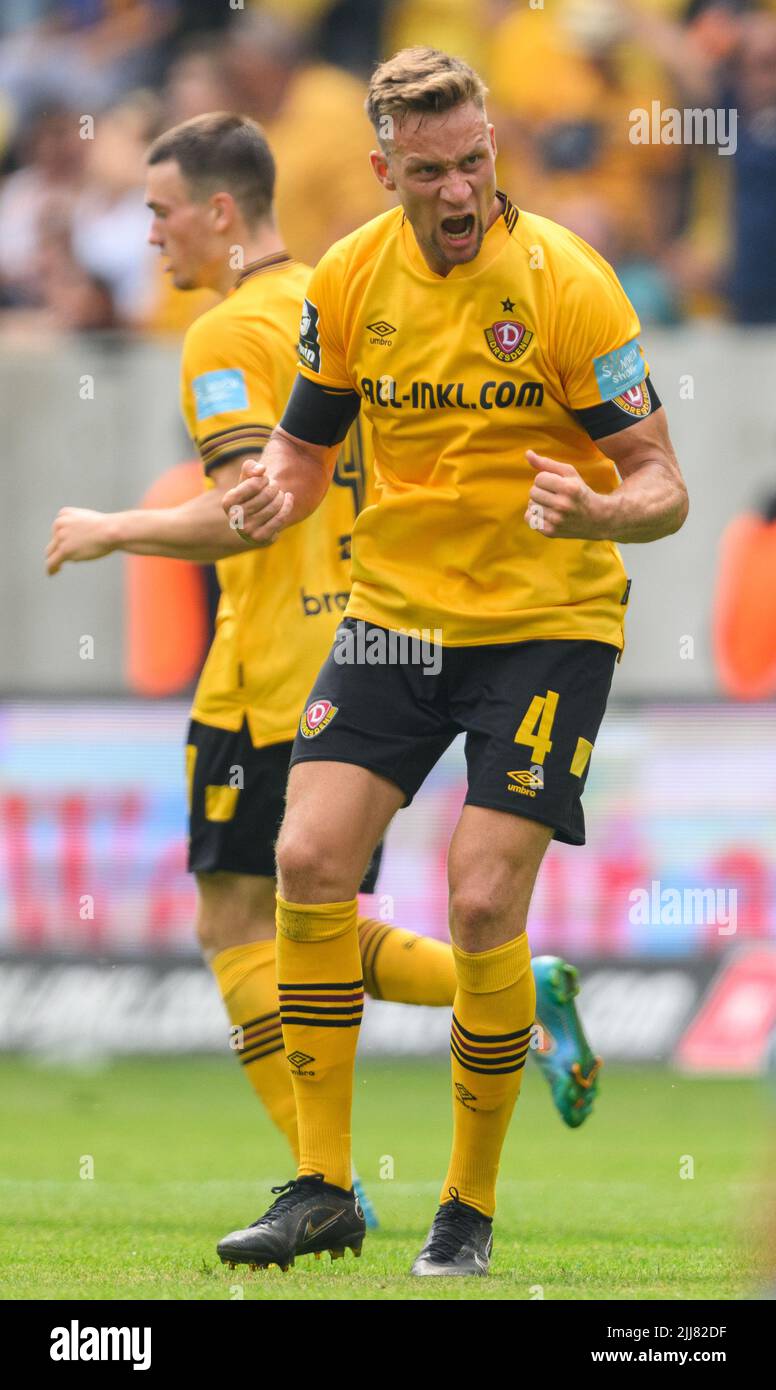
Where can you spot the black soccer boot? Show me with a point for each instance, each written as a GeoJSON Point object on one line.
{"type": "Point", "coordinates": [309, 1216]}
{"type": "Point", "coordinates": [460, 1241]}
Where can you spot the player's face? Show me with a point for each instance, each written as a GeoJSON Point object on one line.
{"type": "Point", "coordinates": [181, 227]}
{"type": "Point", "coordinates": [443, 168]}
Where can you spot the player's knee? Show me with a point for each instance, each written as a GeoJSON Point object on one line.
{"type": "Point", "coordinates": [231, 914]}
{"type": "Point", "coordinates": [474, 915]}
{"type": "Point", "coordinates": [207, 928]}
{"type": "Point", "coordinates": [306, 870]}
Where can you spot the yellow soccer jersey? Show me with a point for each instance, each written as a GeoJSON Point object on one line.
{"type": "Point", "coordinates": [533, 344]}
{"type": "Point", "coordinates": [279, 606]}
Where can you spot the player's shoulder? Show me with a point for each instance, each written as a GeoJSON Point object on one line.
{"type": "Point", "coordinates": [209, 333]}
{"type": "Point", "coordinates": [359, 248]}
{"type": "Point", "coordinates": [571, 263]}
{"type": "Point", "coordinates": [261, 295]}
{"type": "Point", "coordinates": [249, 318]}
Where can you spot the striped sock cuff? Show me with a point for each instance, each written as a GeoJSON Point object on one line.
{"type": "Point", "coordinates": [322, 1005]}
{"type": "Point", "coordinates": [485, 972]}
{"type": "Point", "coordinates": [257, 1038]}
{"type": "Point", "coordinates": [315, 921]}
{"type": "Point", "coordinates": [371, 936]}
{"type": "Point", "coordinates": [491, 1054]}
{"type": "Point", "coordinates": [235, 965]}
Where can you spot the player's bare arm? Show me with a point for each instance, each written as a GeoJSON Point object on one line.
{"type": "Point", "coordinates": [284, 488]}
{"type": "Point", "coordinates": [196, 530]}
{"type": "Point", "coordinates": [651, 501]}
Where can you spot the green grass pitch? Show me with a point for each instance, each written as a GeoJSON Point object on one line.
{"type": "Point", "coordinates": [182, 1153]}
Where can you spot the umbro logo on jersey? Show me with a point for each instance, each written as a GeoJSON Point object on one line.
{"type": "Point", "coordinates": [299, 1060]}
{"type": "Point", "coordinates": [508, 339]}
{"type": "Point", "coordinates": [382, 331]}
{"type": "Point", "coordinates": [316, 717]}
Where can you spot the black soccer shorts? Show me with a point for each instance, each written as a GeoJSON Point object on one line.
{"type": "Point", "coordinates": [530, 712]}
{"type": "Point", "coordinates": [237, 797]}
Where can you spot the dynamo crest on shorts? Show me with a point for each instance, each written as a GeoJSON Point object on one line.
{"type": "Point", "coordinates": [635, 401]}
{"type": "Point", "coordinates": [316, 717]}
{"type": "Point", "coordinates": [508, 339]}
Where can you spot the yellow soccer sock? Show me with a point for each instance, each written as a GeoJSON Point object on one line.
{"type": "Point", "coordinates": [404, 967]}
{"type": "Point", "coordinates": [246, 978]}
{"type": "Point", "coordinates": [491, 1029]}
{"type": "Point", "coordinates": [321, 994]}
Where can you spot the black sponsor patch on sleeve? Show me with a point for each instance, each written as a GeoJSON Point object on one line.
{"type": "Point", "coordinates": [319, 414]}
{"type": "Point", "coordinates": [621, 411]}
{"type": "Point", "coordinates": [309, 343]}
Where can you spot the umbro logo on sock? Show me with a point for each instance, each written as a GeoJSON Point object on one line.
{"type": "Point", "coordinates": [299, 1060]}
{"type": "Point", "coordinates": [464, 1095]}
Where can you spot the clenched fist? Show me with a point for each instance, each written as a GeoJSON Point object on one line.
{"type": "Point", "coordinates": [78, 534]}
{"type": "Point", "coordinates": [561, 505]}
{"type": "Point", "coordinates": [256, 507]}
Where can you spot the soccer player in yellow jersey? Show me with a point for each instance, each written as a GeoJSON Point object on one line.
{"type": "Point", "coordinates": [210, 189]}
{"type": "Point", "coordinates": [517, 438]}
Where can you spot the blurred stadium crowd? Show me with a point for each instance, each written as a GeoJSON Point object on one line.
{"type": "Point", "coordinates": [86, 84]}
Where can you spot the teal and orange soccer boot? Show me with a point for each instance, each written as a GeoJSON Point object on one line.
{"type": "Point", "coordinates": [370, 1215]}
{"type": "Point", "coordinates": [563, 1053]}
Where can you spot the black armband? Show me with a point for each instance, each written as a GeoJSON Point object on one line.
{"type": "Point", "coordinates": [617, 414]}
{"type": "Point", "coordinates": [319, 414]}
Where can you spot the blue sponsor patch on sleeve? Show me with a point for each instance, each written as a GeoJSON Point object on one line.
{"type": "Point", "coordinates": [617, 371]}
{"type": "Point", "coordinates": [217, 393]}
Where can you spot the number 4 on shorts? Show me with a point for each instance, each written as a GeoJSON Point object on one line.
{"type": "Point", "coordinates": [536, 727]}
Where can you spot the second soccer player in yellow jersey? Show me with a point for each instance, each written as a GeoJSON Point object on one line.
{"type": "Point", "coordinates": [210, 189]}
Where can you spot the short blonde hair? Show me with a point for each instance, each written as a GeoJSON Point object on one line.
{"type": "Point", "coordinates": [423, 80]}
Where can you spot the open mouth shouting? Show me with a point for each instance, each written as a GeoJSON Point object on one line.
{"type": "Point", "coordinates": [459, 231]}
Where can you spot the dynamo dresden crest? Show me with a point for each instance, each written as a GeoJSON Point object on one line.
{"type": "Point", "coordinates": [316, 717]}
{"type": "Point", "coordinates": [508, 339]}
{"type": "Point", "coordinates": [635, 401]}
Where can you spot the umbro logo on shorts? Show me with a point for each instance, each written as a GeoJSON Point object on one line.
{"type": "Point", "coordinates": [527, 778]}
{"type": "Point", "coordinates": [526, 782]}
{"type": "Point", "coordinates": [316, 717]}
